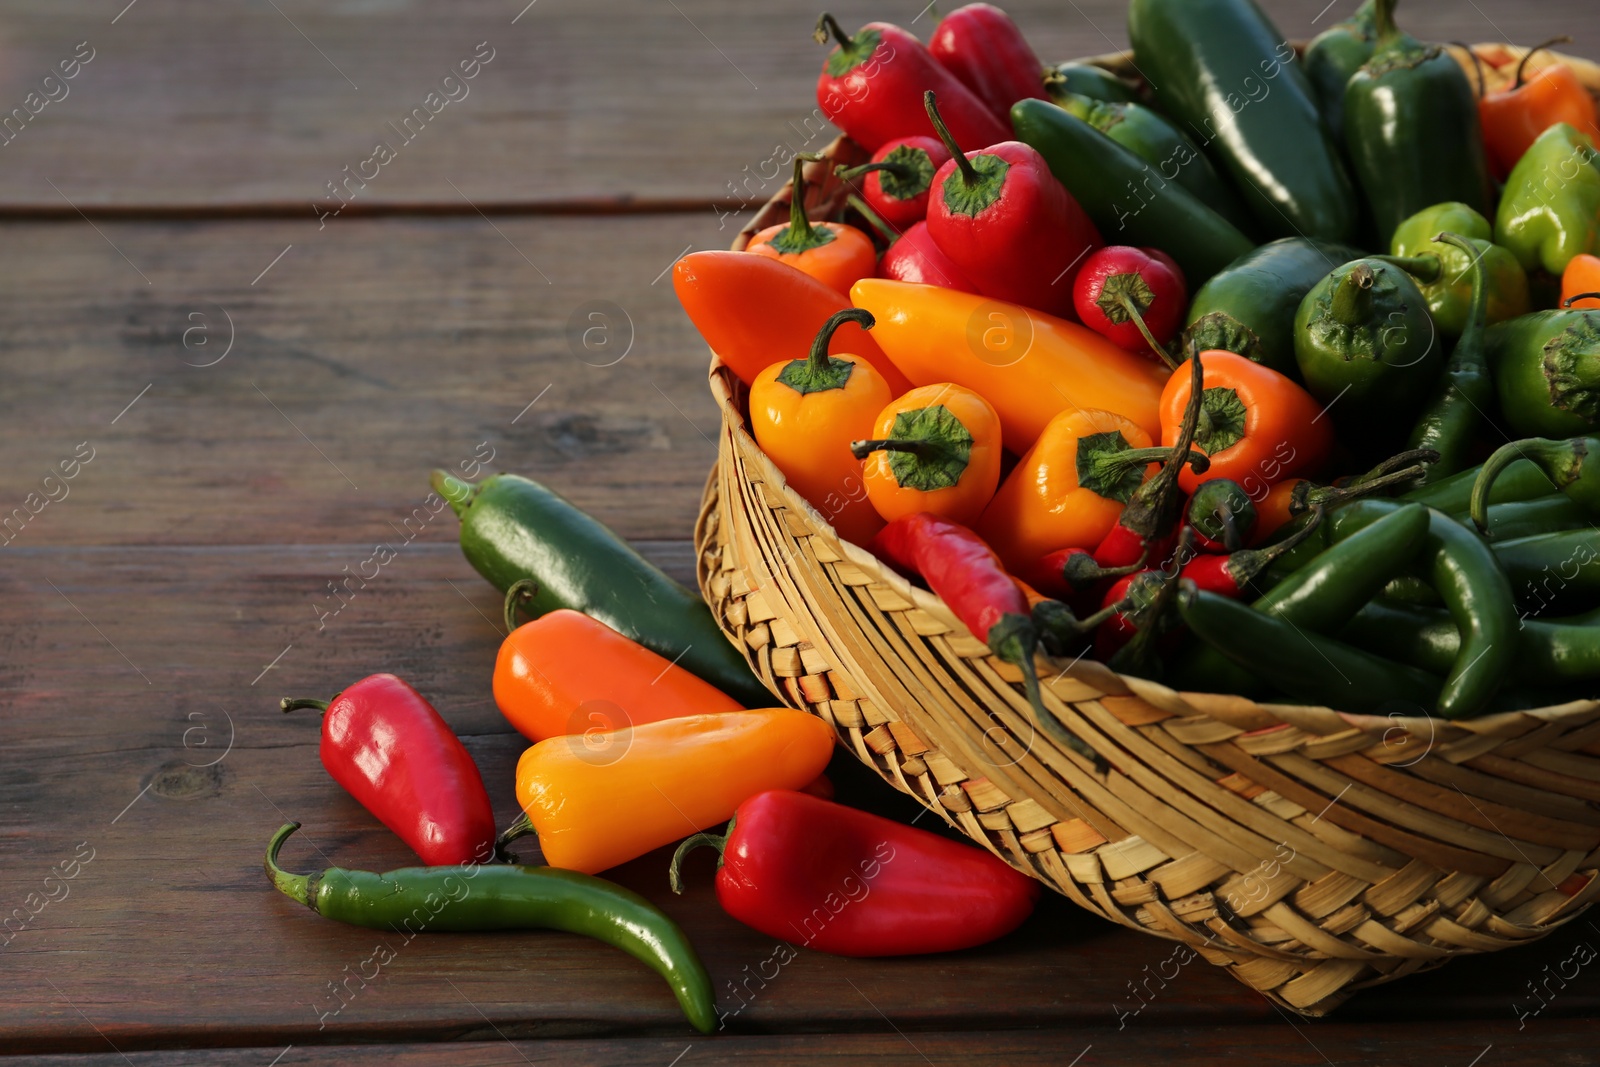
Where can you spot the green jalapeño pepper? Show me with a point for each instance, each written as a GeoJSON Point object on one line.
{"type": "Point", "coordinates": [1334, 56]}
{"type": "Point", "coordinates": [1550, 210]}
{"type": "Point", "coordinates": [1086, 79]}
{"type": "Point", "coordinates": [1572, 466]}
{"type": "Point", "coordinates": [1450, 423]}
{"type": "Point", "coordinates": [1547, 369]}
{"type": "Point", "coordinates": [1365, 330]}
{"type": "Point", "coordinates": [1227, 75]}
{"type": "Point", "coordinates": [513, 528]}
{"type": "Point", "coordinates": [1248, 307]}
{"type": "Point", "coordinates": [505, 896]}
{"type": "Point", "coordinates": [1444, 271]}
{"type": "Point", "coordinates": [1563, 649]}
{"type": "Point", "coordinates": [1411, 128]}
{"type": "Point", "coordinates": [1160, 144]}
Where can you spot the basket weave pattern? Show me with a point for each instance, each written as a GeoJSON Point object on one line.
{"type": "Point", "coordinates": [1312, 853]}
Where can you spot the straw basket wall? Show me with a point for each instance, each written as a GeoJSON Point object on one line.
{"type": "Point", "coordinates": [1310, 852]}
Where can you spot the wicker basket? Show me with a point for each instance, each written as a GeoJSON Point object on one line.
{"type": "Point", "coordinates": [1310, 852]}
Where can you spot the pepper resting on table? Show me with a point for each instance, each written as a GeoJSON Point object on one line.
{"type": "Point", "coordinates": [506, 897]}
{"type": "Point", "coordinates": [834, 254]}
{"type": "Point", "coordinates": [838, 880]}
{"type": "Point", "coordinates": [935, 449]}
{"type": "Point", "coordinates": [390, 750]}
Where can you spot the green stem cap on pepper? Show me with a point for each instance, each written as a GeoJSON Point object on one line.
{"type": "Point", "coordinates": [819, 371]}
{"type": "Point", "coordinates": [930, 448]}
{"type": "Point", "coordinates": [977, 182]}
{"type": "Point", "coordinates": [800, 236]}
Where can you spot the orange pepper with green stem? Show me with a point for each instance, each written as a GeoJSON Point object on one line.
{"type": "Point", "coordinates": [1513, 118]}
{"type": "Point", "coordinates": [653, 784]}
{"type": "Point", "coordinates": [805, 414]}
{"type": "Point", "coordinates": [935, 449]}
{"type": "Point", "coordinates": [831, 252]}
{"type": "Point", "coordinates": [1581, 281]}
{"type": "Point", "coordinates": [1029, 365]}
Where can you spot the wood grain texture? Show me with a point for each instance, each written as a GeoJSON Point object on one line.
{"type": "Point", "coordinates": [188, 102]}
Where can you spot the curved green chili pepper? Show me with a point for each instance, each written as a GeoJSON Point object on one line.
{"type": "Point", "coordinates": [1450, 422]}
{"type": "Point", "coordinates": [1573, 466]}
{"type": "Point", "coordinates": [1566, 649]}
{"type": "Point", "coordinates": [506, 897]}
{"type": "Point", "coordinates": [1530, 518]}
{"type": "Point", "coordinates": [1519, 480]}
{"type": "Point", "coordinates": [1554, 568]}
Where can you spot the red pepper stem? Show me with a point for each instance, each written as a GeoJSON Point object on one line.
{"type": "Point", "coordinates": [522, 826]}
{"type": "Point", "coordinates": [704, 839]}
{"type": "Point", "coordinates": [294, 886]}
{"type": "Point", "coordinates": [828, 26]}
{"type": "Point", "coordinates": [1569, 301]}
{"type": "Point", "coordinates": [969, 173]}
{"type": "Point", "coordinates": [301, 703]}
{"type": "Point", "coordinates": [520, 595]}
{"type": "Point", "coordinates": [875, 220]}
{"type": "Point", "coordinates": [1144, 331]}
{"type": "Point", "coordinates": [1522, 67]}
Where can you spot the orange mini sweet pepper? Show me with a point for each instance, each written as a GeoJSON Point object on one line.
{"type": "Point", "coordinates": [1582, 276]}
{"type": "Point", "coordinates": [1513, 118]}
{"type": "Point", "coordinates": [935, 449]}
{"type": "Point", "coordinates": [834, 254]}
{"type": "Point", "coordinates": [650, 785]}
{"type": "Point", "coordinates": [1027, 364]}
{"type": "Point", "coordinates": [805, 413]}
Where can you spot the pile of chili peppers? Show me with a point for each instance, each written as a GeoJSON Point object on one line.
{"type": "Point", "coordinates": [1162, 351]}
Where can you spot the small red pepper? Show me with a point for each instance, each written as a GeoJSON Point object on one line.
{"type": "Point", "coordinates": [386, 745]}
{"type": "Point", "coordinates": [916, 258]}
{"type": "Point", "coordinates": [871, 87]}
{"type": "Point", "coordinates": [1131, 298]}
{"type": "Point", "coordinates": [814, 873]}
{"type": "Point", "coordinates": [1513, 118]}
{"type": "Point", "coordinates": [1006, 221]}
{"type": "Point", "coordinates": [1141, 597]}
{"type": "Point", "coordinates": [1229, 575]}
{"type": "Point", "coordinates": [1071, 573]}
{"type": "Point", "coordinates": [982, 46]}
{"type": "Point", "coordinates": [896, 182]}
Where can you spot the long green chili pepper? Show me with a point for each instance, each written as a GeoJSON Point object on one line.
{"type": "Point", "coordinates": [506, 897]}
{"type": "Point", "coordinates": [1573, 466]}
{"type": "Point", "coordinates": [1552, 569]}
{"type": "Point", "coordinates": [1529, 518]}
{"type": "Point", "coordinates": [1565, 649]}
{"type": "Point", "coordinates": [1305, 665]}
{"type": "Point", "coordinates": [1451, 420]}
{"type": "Point", "coordinates": [1519, 480]}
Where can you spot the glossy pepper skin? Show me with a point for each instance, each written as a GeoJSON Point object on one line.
{"type": "Point", "coordinates": [1411, 128]}
{"type": "Point", "coordinates": [1514, 118]}
{"type": "Point", "coordinates": [513, 528]}
{"type": "Point", "coordinates": [1225, 72]}
{"type": "Point", "coordinates": [895, 182]}
{"type": "Point", "coordinates": [1222, 514]}
{"type": "Point", "coordinates": [1249, 306]}
{"type": "Point", "coordinates": [1572, 465]}
{"type": "Point", "coordinates": [1133, 297]}
{"type": "Point", "coordinates": [390, 750]}
{"type": "Point", "coordinates": [1451, 419]}
{"type": "Point", "coordinates": [1364, 333]}
{"type": "Point", "coordinates": [1089, 80]}
{"type": "Point", "coordinates": [1107, 179]}
{"type": "Point", "coordinates": [1008, 223]}
{"type": "Point", "coordinates": [1550, 209]}
{"type": "Point", "coordinates": [1581, 277]}
{"type": "Point", "coordinates": [810, 872]}
{"type": "Point", "coordinates": [754, 311]}
{"type": "Point", "coordinates": [1333, 57]}
{"type": "Point", "coordinates": [1443, 271]}
{"type": "Point", "coordinates": [834, 254]}
{"type": "Point", "coordinates": [650, 785]}
{"type": "Point", "coordinates": [1256, 425]}
{"type": "Point", "coordinates": [1547, 372]}
{"type": "Point", "coordinates": [871, 87]}
{"type": "Point", "coordinates": [935, 449]}
{"type": "Point", "coordinates": [981, 46]}
{"type": "Point", "coordinates": [1565, 649]}
{"type": "Point", "coordinates": [1160, 144]}
{"type": "Point", "coordinates": [805, 413]}
{"type": "Point", "coordinates": [1029, 365]}
{"type": "Point", "coordinates": [565, 673]}
{"type": "Point", "coordinates": [473, 897]}
{"type": "Point", "coordinates": [916, 258]}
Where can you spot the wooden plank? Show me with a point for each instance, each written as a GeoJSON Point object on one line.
{"type": "Point", "coordinates": [193, 103]}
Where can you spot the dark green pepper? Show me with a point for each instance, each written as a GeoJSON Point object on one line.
{"type": "Point", "coordinates": [1411, 128]}
{"type": "Point", "coordinates": [514, 528]}
{"type": "Point", "coordinates": [1566, 649]}
{"type": "Point", "coordinates": [1305, 665]}
{"type": "Point", "coordinates": [1529, 518]}
{"type": "Point", "coordinates": [1450, 422]}
{"type": "Point", "coordinates": [1162, 145]}
{"type": "Point", "coordinates": [1249, 306]}
{"type": "Point", "coordinates": [1365, 330]}
{"type": "Point", "coordinates": [1553, 569]}
{"type": "Point", "coordinates": [1572, 466]}
{"type": "Point", "coordinates": [1444, 271]}
{"type": "Point", "coordinates": [1550, 209]}
{"type": "Point", "coordinates": [1333, 57]}
{"type": "Point", "coordinates": [1547, 371]}
{"type": "Point", "coordinates": [505, 896]}
{"type": "Point", "coordinates": [1128, 199]}
{"type": "Point", "coordinates": [1519, 480]}
{"type": "Point", "coordinates": [1223, 515]}
{"type": "Point", "coordinates": [1227, 75]}
{"type": "Point", "coordinates": [1086, 79]}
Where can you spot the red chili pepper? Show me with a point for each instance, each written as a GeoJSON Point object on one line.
{"type": "Point", "coordinates": [1139, 591]}
{"type": "Point", "coordinates": [1006, 221]}
{"type": "Point", "coordinates": [1071, 573]}
{"type": "Point", "coordinates": [871, 87]}
{"type": "Point", "coordinates": [813, 873]}
{"type": "Point", "coordinates": [982, 46]}
{"type": "Point", "coordinates": [916, 258]}
{"type": "Point", "coordinates": [896, 182]}
{"type": "Point", "coordinates": [1131, 298]}
{"type": "Point", "coordinates": [386, 745]}
{"type": "Point", "coordinates": [1229, 575]}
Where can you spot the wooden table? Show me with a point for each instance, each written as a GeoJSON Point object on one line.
{"type": "Point", "coordinates": [251, 389]}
